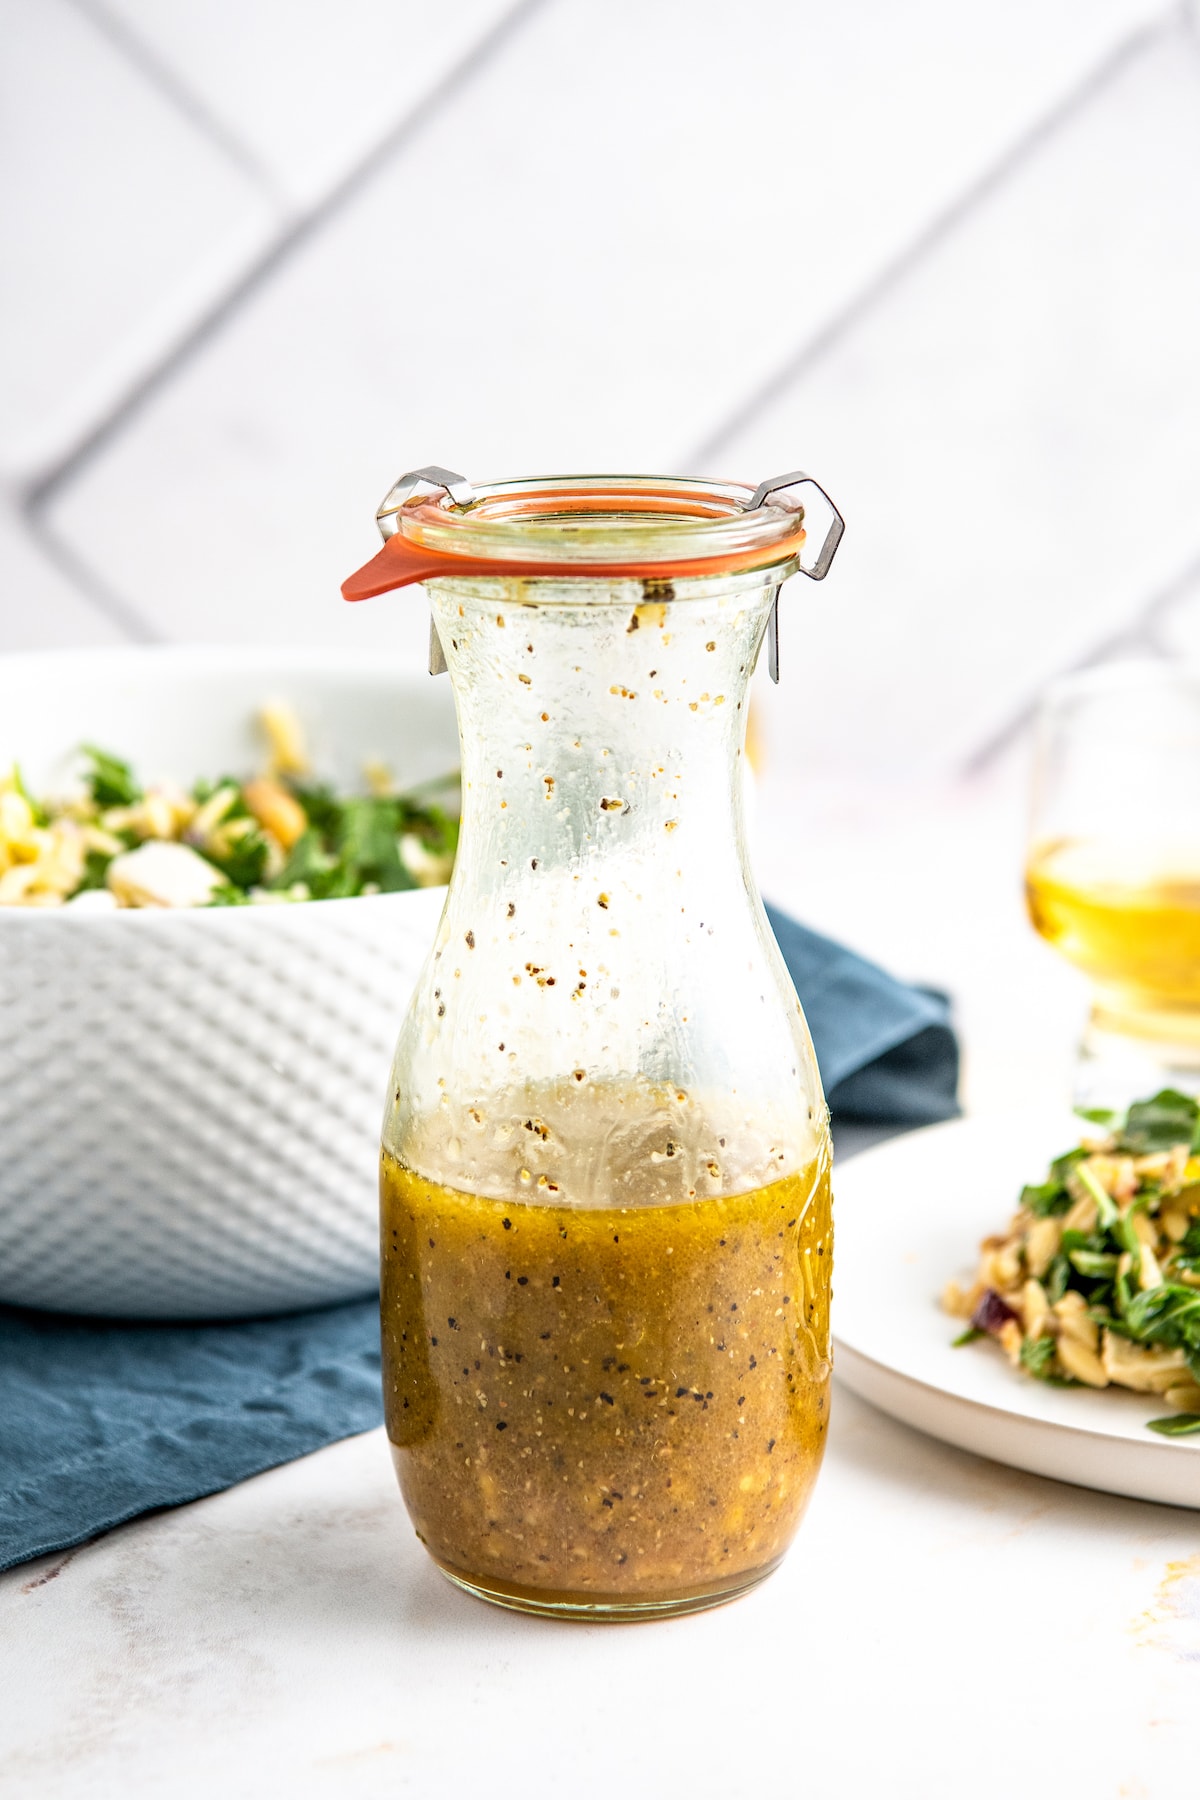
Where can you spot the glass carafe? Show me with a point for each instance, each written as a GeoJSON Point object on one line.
{"type": "Point", "coordinates": [606, 1226]}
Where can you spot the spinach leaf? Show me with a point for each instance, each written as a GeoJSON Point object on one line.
{"type": "Point", "coordinates": [1046, 1199]}
{"type": "Point", "coordinates": [1106, 1207]}
{"type": "Point", "coordinates": [1167, 1314]}
{"type": "Point", "coordinates": [1057, 1278]}
{"type": "Point", "coordinates": [1062, 1165]}
{"type": "Point", "coordinates": [1177, 1425]}
{"type": "Point", "coordinates": [244, 862]}
{"type": "Point", "coordinates": [110, 781]}
{"type": "Point", "coordinates": [369, 848]}
{"type": "Point", "coordinates": [1168, 1119]}
{"type": "Point", "coordinates": [1096, 1265]}
{"type": "Point", "coordinates": [1099, 1115]}
{"type": "Point", "coordinates": [1037, 1355]}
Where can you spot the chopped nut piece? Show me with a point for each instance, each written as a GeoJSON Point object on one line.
{"type": "Point", "coordinates": [1174, 1221]}
{"type": "Point", "coordinates": [1083, 1216]}
{"type": "Point", "coordinates": [1005, 1267]}
{"type": "Point", "coordinates": [1035, 1308]}
{"type": "Point", "coordinates": [956, 1301]}
{"type": "Point", "coordinates": [1149, 1273]}
{"type": "Point", "coordinates": [1041, 1245]}
{"type": "Point", "coordinates": [1081, 1362]}
{"type": "Point", "coordinates": [210, 815]}
{"type": "Point", "coordinates": [428, 868]}
{"type": "Point", "coordinates": [1149, 1371]}
{"type": "Point", "coordinates": [1073, 1322]}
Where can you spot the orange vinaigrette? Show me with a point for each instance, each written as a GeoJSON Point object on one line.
{"type": "Point", "coordinates": [606, 1405]}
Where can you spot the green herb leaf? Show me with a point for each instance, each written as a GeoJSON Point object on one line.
{"type": "Point", "coordinates": [40, 815]}
{"type": "Point", "coordinates": [1045, 1200]}
{"type": "Point", "coordinates": [1096, 1265]}
{"type": "Point", "coordinates": [968, 1336]}
{"type": "Point", "coordinates": [369, 846]}
{"type": "Point", "coordinates": [1128, 1239]}
{"type": "Point", "coordinates": [1105, 1205]}
{"type": "Point", "coordinates": [1168, 1119]}
{"type": "Point", "coordinates": [1057, 1279]}
{"type": "Point", "coordinates": [110, 781]}
{"type": "Point", "coordinates": [1098, 1115]}
{"type": "Point", "coordinates": [1037, 1355]}
{"type": "Point", "coordinates": [1062, 1165]}
{"type": "Point", "coordinates": [1123, 1297]}
{"type": "Point", "coordinates": [1177, 1425]}
{"type": "Point", "coordinates": [1167, 1314]}
{"type": "Point", "coordinates": [95, 871]}
{"type": "Point", "coordinates": [245, 862]}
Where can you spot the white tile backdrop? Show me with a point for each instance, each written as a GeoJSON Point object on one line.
{"type": "Point", "coordinates": [260, 257]}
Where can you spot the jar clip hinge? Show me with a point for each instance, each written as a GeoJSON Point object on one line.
{"type": "Point", "coordinates": [434, 480]}
{"type": "Point", "coordinates": [773, 488]}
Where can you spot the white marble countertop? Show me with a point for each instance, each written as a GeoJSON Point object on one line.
{"type": "Point", "coordinates": [943, 1626]}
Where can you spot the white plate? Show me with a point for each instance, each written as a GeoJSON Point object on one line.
{"type": "Point", "coordinates": [910, 1215]}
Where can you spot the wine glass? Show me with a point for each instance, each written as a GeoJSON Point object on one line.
{"type": "Point", "coordinates": [1112, 875]}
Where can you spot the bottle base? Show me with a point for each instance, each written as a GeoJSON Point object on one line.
{"type": "Point", "coordinates": [606, 1609]}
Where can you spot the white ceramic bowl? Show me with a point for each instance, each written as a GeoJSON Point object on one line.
{"type": "Point", "coordinates": [190, 1101]}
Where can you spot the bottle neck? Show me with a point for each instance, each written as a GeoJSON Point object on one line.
{"type": "Point", "coordinates": [602, 727]}
{"type": "Point", "coordinates": [604, 1016]}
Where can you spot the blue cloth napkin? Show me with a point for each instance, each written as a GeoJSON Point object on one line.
{"type": "Point", "coordinates": [102, 1420]}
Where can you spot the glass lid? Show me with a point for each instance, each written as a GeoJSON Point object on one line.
{"type": "Point", "coordinates": [435, 524]}
{"type": "Point", "coordinates": [592, 518]}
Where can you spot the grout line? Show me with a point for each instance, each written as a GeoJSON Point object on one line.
{"type": "Point", "coordinates": [295, 234]}
{"type": "Point", "coordinates": [1110, 68]}
{"type": "Point", "coordinates": [184, 98]}
{"type": "Point", "coordinates": [1138, 634]}
{"type": "Point", "coordinates": [88, 584]}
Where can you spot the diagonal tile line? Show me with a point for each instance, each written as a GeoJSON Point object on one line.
{"type": "Point", "coordinates": [1114, 64]}
{"type": "Point", "coordinates": [89, 585]}
{"type": "Point", "coordinates": [183, 98]}
{"type": "Point", "coordinates": [1136, 636]}
{"type": "Point", "coordinates": [290, 241]}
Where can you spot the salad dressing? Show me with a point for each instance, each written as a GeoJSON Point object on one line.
{"type": "Point", "coordinates": [609, 1402]}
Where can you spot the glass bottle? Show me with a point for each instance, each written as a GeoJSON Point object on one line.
{"type": "Point", "coordinates": [606, 1233]}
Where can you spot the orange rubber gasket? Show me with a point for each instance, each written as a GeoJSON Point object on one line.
{"type": "Point", "coordinates": [401, 563]}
